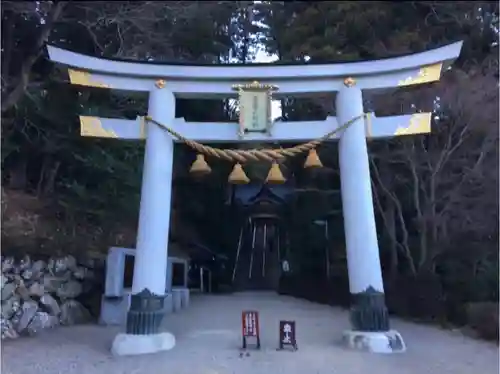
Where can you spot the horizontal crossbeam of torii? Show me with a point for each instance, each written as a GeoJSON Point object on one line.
{"type": "Point", "coordinates": [164, 82]}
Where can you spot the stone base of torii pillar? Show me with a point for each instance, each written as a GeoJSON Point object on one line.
{"type": "Point", "coordinates": [376, 342]}
{"type": "Point", "coordinates": [129, 345]}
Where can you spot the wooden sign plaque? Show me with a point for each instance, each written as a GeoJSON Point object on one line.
{"type": "Point", "coordinates": [255, 107]}
{"type": "Point", "coordinates": [250, 327]}
{"type": "Point", "coordinates": [288, 337]}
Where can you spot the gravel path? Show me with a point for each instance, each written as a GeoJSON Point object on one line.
{"type": "Point", "coordinates": [208, 340]}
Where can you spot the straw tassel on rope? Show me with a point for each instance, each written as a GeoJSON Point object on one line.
{"type": "Point", "coordinates": [239, 156]}
{"type": "Point", "coordinates": [312, 160]}
{"type": "Point", "coordinates": [275, 176]}
{"type": "Point", "coordinates": [238, 175]}
{"type": "Point", "coordinates": [200, 166]}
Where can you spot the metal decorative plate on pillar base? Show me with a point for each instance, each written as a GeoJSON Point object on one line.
{"type": "Point", "coordinates": [143, 334]}
{"type": "Point", "coordinates": [370, 321]}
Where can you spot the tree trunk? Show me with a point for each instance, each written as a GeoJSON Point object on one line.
{"type": "Point", "coordinates": [390, 212]}
{"type": "Point", "coordinates": [51, 178]}
{"type": "Point", "coordinates": [18, 176]}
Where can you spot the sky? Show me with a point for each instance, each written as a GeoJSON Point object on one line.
{"type": "Point", "coordinates": [262, 56]}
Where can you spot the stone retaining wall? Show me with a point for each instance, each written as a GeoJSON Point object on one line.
{"type": "Point", "coordinates": [39, 294]}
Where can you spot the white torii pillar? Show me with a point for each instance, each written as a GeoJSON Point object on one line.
{"type": "Point", "coordinates": [369, 315]}
{"type": "Point", "coordinates": [370, 330]}
{"type": "Point", "coordinates": [147, 302]}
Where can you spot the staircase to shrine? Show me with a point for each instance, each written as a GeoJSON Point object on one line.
{"type": "Point", "coordinates": [257, 269]}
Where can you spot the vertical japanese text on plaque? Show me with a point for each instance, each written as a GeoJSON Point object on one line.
{"type": "Point", "coordinates": [255, 107]}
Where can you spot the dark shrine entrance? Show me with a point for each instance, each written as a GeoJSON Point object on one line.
{"type": "Point", "coordinates": [262, 241]}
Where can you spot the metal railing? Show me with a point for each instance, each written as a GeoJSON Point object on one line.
{"type": "Point", "coordinates": [238, 250]}
{"type": "Point", "coordinates": [254, 233]}
{"type": "Point", "coordinates": [250, 227]}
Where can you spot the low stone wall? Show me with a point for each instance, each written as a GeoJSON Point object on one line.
{"type": "Point", "coordinates": [41, 294]}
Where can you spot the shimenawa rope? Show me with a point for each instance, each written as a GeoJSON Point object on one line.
{"type": "Point", "coordinates": [245, 155]}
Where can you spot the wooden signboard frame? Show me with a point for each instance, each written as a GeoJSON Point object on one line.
{"type": "Point", "coordinates": [250, 327]}
{"type": "Point", "coordinates": [288, 335]}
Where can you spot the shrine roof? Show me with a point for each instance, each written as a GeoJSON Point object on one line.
{"type": "Point", "coordinates": [252, 193]}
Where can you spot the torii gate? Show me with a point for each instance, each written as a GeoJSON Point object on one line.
{"type": "Point", "coordinates": [164, 82]}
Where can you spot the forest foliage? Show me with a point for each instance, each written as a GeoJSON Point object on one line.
{"type": "Point", "coordinates": [436, 196]}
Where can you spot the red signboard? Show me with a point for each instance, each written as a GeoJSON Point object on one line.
{"type": "Point", "coordinates": [250, 326]}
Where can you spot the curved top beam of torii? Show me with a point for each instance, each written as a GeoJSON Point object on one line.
{"type": "Point", "coordinates": [292, 80]}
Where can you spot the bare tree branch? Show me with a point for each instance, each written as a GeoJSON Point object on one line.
{"type": "Point", "coordinates": [18, 91]}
